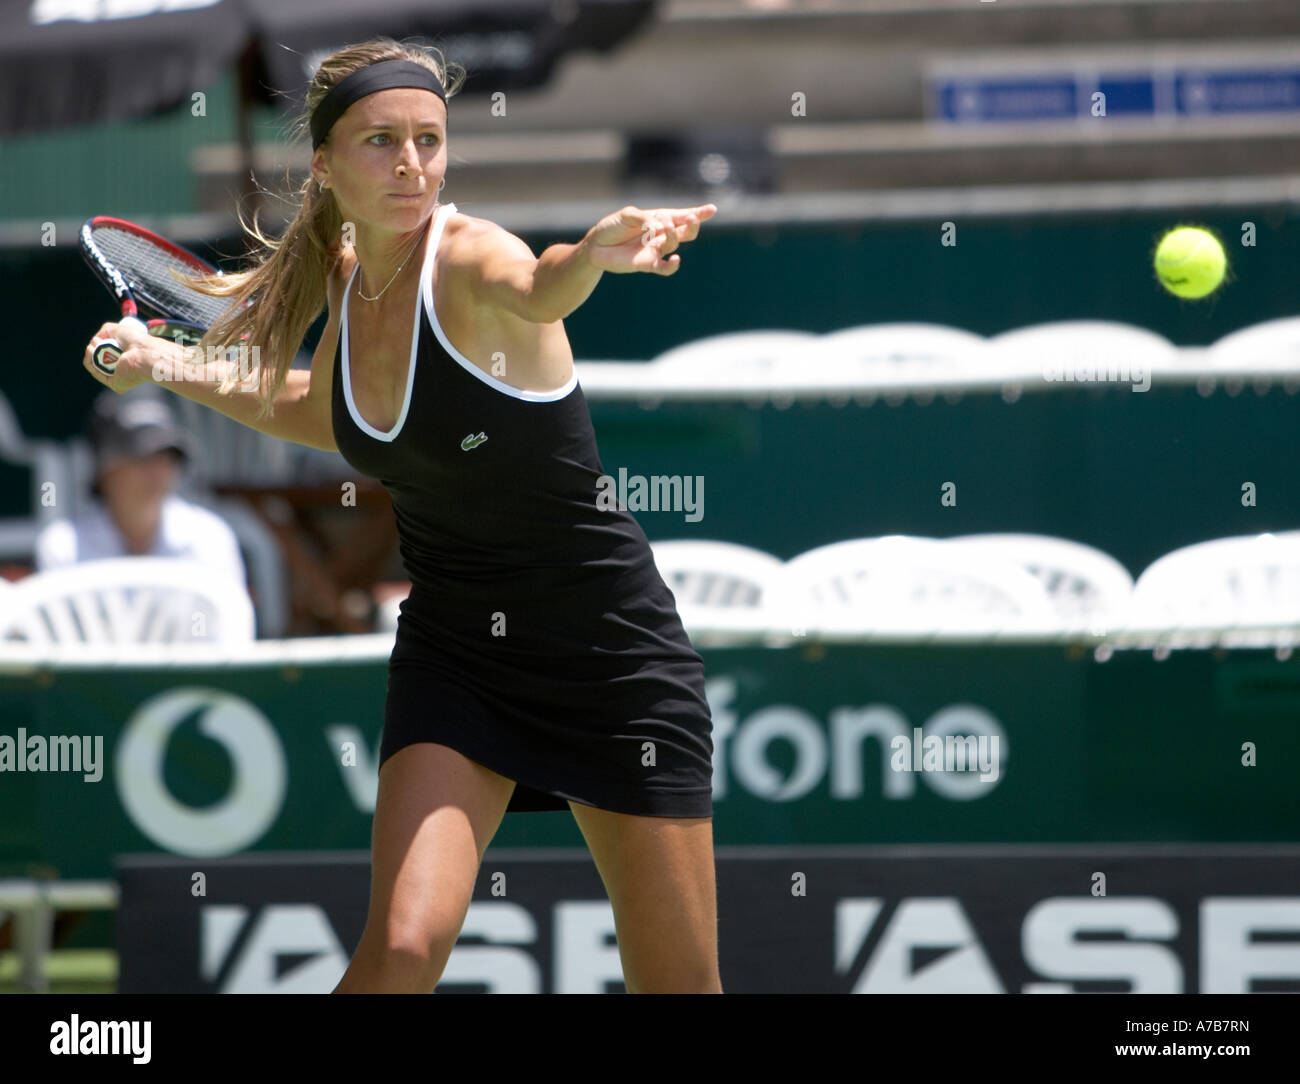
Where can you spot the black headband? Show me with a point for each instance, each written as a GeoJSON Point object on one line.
{"type": "Point", "coordinates": [385, 75]}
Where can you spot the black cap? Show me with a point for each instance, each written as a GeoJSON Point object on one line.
{"type": "Point", "coordinates": [132, 426]}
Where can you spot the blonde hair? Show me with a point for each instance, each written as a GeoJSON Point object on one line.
{"type": "Point", "coordinates": [288, 283]}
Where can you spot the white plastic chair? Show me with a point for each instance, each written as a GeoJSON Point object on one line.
{"type": "Point", "coordinates": [1087, 586]}
{"type": "Point", "coordinates": [908, 585]}
{"type": "Point", "coordinates": [719, 586]}
{"type": "Point", "coordinates": [898, 358]}
{"type": "Point", "coordinates": [904, 344]}
{"type": "Point", "coordinates": [1222, 583]}
{"type": "Point", "coordinates": [125, 600]}
{"type": "Point", "coordinates": [1083, 351]}
{"type": "Point", "coordinates": [1274, 342]}
{"type": "Point", "coordinates": [745, 353]}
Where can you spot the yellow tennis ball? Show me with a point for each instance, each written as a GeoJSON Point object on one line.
{"type": "Point", "coordinates": [1190, 262]}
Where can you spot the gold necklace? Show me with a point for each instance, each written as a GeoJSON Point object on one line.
{"type": "Point", "coordinates": [381, 293]}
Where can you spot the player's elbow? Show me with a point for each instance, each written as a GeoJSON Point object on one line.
{"type": "Point", "coordinates": [540, 312]}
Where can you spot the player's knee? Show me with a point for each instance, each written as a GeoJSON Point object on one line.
{"type": "Point", "coordinates": [425, 942]}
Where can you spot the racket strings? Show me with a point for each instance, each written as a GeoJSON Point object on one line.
{"type": "Point", "coordinates": [148, 271]}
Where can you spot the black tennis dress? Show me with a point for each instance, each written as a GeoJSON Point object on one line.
{"type": "Point", "coordinates": [538, 638]}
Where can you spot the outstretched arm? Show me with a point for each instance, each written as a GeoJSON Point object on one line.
{"type": "Point", "coordinates": [550, 287]}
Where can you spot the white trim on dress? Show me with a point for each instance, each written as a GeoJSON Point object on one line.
{"type": "Point", "coordinates": [464, 362]}
{"type": "Point", "coordinates": [361, 423]}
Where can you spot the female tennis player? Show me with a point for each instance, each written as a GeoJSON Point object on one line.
{"type": "Point", "coordinates": [539, 660]}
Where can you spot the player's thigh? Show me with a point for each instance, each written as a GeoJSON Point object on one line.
{"type": "Point", "coordinates": [659, 873]}
{"type": "Point", "coordinates": [435, 813]}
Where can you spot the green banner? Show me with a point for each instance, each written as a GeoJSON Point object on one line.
{"type": "Point", "coordinates": [1133, 474]}
{"type": "Point", "coordinates": [814, 744]}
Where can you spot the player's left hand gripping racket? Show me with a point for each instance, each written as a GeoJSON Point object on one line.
{"type": "Point", "coordinates": [135, 264]}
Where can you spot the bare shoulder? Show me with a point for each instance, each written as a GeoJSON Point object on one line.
{"type": "Point", "coordinates": [466, 229]}
{"type": "Point", "coordinates": [471, 240]}
{"type": "Point", "coordinates": [477, 251]}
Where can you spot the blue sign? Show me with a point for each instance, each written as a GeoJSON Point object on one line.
{"type": "Point", "coordinates": [1238, 92]}
{"type": "Point", "coordinates": [977, 98]}
{"type": "Point", "coordinates": [1005, 99]}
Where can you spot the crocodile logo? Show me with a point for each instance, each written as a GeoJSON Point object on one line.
{"type": "Point", "coordinates": [471, 442]}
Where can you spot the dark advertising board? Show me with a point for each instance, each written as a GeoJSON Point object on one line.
{"type": "Point", "coordinates": [882, 920]}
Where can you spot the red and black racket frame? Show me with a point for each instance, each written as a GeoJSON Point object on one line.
{"type": "Point", "coordinates": [155, 320]}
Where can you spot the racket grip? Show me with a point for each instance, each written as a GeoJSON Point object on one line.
{"type": "Point", "coordinates": [107, 351]}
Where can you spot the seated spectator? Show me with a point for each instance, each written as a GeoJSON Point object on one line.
{"type": "Point", "coordinates": [139, 452]}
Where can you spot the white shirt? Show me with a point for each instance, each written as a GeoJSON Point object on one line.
{"type": "Point", "coordinates": [185, 530]}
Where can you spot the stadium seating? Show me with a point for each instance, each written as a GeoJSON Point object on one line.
{"type": "Point", "coordinates": [129, 600]}
{"type": "Point", "coordinates": [1089, 589]}
{"type": "Point", "coordinates": [1221, 584]}
{"type": "Point", "coordinates": [901, 584]}
{"type": "Point", "coordinates": [719, 586]}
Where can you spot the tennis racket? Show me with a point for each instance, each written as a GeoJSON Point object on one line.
{"type": "Point", "coordinates": [136, 266]}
